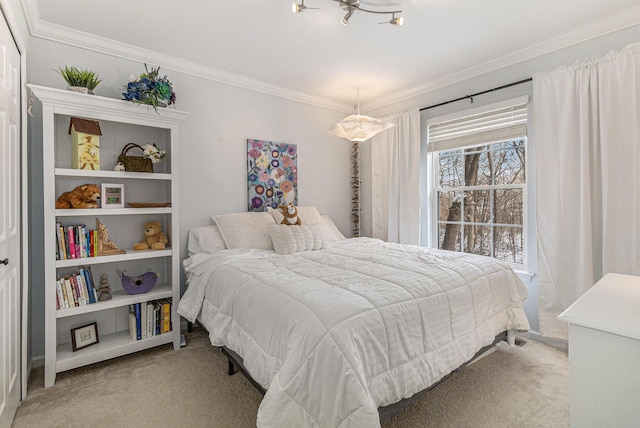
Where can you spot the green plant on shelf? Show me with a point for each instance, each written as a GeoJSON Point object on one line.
{"type": "Point", "coordinates": [80, 77]}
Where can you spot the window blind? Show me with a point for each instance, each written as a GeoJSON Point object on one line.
{"type": "Point", "coordinates": [487, 127]}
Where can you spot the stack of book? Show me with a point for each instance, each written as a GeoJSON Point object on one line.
{"type": "Point", "coordinates": [148, 319]}
{"type": "Point", "coordinates": [75, 242]}
{"type": "Point", "coordinates": [75, 289]}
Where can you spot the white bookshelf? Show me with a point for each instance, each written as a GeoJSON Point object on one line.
{"type": "Point", "coordinates": [121, 122]}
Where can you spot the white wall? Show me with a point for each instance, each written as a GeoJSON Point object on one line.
{"type": "Point", "coordinates": [601, 45]}
{"type": "Point", "coordinates": [213, 165]}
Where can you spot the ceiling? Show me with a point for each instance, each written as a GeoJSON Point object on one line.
{"type": "Point", "coordinates": [311, 56]}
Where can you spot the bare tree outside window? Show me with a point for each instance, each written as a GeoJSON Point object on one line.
{"type": "Point", "coordinates": [481, 200]}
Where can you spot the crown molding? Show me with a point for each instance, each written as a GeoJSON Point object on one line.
{"type": "Point", "coordinates": [83, 40]}
{"type": "Point", "coordinates": [92, 42]}
{"type": "Point", "coordinates": [610, 24]}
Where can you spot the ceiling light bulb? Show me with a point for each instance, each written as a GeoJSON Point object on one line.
{"type": "Point", "coordinates": [345, 19]}
{"type": "Point", "coordinates": [397, 21]}
{"type": "Point", "coordinates": [298, 7]}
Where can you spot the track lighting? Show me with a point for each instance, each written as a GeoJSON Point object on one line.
{"type": "Point", "coordinates": [350, 6]}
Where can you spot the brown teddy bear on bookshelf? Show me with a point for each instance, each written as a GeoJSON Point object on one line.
{"type": "Point", "coordinates": [85, 196]}
{"type": "Point", "coordinates": [153, 237]}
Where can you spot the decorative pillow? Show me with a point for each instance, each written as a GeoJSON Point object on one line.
{"type": "Point", "coordinates": [292, 239]}
{"type": "Point", "coordinates": [308, 215]}
{"type": "Point", "coordinates": [205, 239]}
{"type": "Point", "coordinates": [331, 230]}
{"type": "Point", "coordinates": [245, 230]}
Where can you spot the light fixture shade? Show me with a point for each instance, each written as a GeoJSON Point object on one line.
{"type": "Point", "coordinates": [359, 128]}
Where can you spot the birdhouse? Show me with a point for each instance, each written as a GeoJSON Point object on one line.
{"type": "Point", "coordinates": [85, 143]}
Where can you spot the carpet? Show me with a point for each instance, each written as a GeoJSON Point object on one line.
{"type": "Point", "coordinates": [524, 386]}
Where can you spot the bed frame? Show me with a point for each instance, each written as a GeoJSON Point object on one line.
{"type": "Point", "coordinates": [386, 412]}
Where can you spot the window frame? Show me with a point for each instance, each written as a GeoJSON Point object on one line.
{"type": "Point", "coordinates": [430, 180]}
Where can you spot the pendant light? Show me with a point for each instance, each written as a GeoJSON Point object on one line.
{"type": "Point", "coordinates": [357, 128]}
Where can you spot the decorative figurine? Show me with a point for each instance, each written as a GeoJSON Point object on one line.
{"type": "Point", "coordinates": [105, 246]}
{"type": "Point", "coordinates": [104, 289]}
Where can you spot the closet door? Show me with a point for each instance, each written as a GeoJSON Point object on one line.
{"type": "Point", "coordinates": [9, 226]}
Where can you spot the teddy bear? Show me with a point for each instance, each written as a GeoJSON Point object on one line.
{"type": "Point", "coordinates": [153, 237]}
{"type": "Point", "coordinates": [290, 213]}
{"type": "Point", "coordinates": [85, 196]}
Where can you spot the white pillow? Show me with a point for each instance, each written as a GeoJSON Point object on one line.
{"type": "Point", "coordinates": [245, 230]}
{"type": "Point", "coordinates": [205, 239]}
{"type": "Point", "coordinates": [308, 215]}
{"type": "Point", "coordinates": [292, 239]}
{"type": "Point", "coordinates": [331, 230]}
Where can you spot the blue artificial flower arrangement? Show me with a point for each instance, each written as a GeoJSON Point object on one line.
{"type": "Point", "coordinates": [150, 88]}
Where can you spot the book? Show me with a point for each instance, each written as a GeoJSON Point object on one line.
{"type": "Point", "coordinates": [77, 289]}
{"type": "Point", "coordinates": [143, 320]}
{"type": "Point", "coordinates": [81, 241]}
{"type": "Point", "coordinates": [83, 287]}
{"type": "Point", "coordinates": [91, 292]}
{"type": "Point", "coordinates": [70, 294]}
{"type": "Point", "coordinates": [76, 240]}
{"type": "Point", "coordinates": [90, 243]}
{"type": "Point", "coordinates": [166, 315]}
{"type": "Point", "coordinates": [157, 320]}
{"type": "Point", "coordinates": [132, 325]}
{"type": "Point", "coordinates": [150, 330]}
{"type": "Point", "coordinates": [63, 290]}
{"type": "Point", "coordinates": [72, 247]}
{"type": "Point", "coordinates": [92, 285]}
{"type": "Point", "coordinates": [136, 309]}
{"type": "Point", "coordinates": [65, 242]}
{"type": "Point", "coordinates": [59, 252]}
{"type": "Point", "coordinates": [62, 304]}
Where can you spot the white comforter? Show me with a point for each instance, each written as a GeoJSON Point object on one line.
{"type": "Point", "coordinates": [336, 333]}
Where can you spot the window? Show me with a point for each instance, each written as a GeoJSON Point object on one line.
{"type": "Point", "coordinates": [480, 199]}
{"type": "Point", "coordinates": [480, 183]}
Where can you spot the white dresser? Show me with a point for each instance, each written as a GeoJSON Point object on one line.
{"type": "Point", "coordinates": [604, 354]}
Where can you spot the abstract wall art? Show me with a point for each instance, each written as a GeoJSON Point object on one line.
{"type": "Point", "coordinates": [272, 174]}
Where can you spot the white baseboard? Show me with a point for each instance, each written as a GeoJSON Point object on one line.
{"type": "Point", "coordinates": [560, 344]}
{"type": "Point", "coordinates": [37, 361]}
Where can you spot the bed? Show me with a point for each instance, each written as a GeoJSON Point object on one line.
{"type": "Point", "coordinates": [334, 328]}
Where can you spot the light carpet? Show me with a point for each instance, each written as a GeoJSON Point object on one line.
{"type": "Point", "coordinates": [514, 386]}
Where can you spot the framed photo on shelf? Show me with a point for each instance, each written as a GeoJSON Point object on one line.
{"type": "Point", "coordinates": [112, 195]}
{"type": "Point", "coordinates": [84, 336]}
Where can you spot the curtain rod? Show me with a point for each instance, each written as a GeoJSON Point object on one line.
{"type": "Point", "coordinates": [470, 97]}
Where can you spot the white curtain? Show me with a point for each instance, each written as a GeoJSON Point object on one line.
{"type": "Point", "coordinates": [587, 136]}
{"type": "Point", "coordinates": [395, 184]}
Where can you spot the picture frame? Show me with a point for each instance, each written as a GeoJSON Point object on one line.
{"type": "Point", "coordinates": [84, 336]}
{"type": "Point", "coordinates": [112, 195]}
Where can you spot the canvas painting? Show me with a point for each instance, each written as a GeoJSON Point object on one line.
{"type": "Point", "coordinates": [272, 174]}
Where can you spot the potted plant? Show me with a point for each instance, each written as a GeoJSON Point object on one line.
{"type": "Point", "coordinates": [150, 88]}
{"type": "Point", "coordinates": [79, 79]}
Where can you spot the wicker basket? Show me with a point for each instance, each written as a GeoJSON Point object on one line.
{"type": "Point", "coordinates": [134, 163]}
